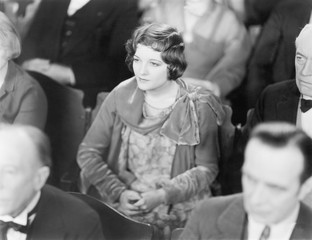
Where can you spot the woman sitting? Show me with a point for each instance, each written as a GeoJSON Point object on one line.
{"type": "Point", "coordinates": [151, 152]}
{"type": "Point", "coordinates": [22, 100]}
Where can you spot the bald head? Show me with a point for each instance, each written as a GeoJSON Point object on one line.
{"type": "Point", "coordinates": [305, 33]}
{"type": "Point", "coordinates": [24, 166]}
{"type": "Point", "coordinates": [28, 139]}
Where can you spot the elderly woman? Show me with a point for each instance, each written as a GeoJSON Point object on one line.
{"type": "Point", "coordinates": [22, 100]}
{"type": "Point", "coordinates": [151, 152]}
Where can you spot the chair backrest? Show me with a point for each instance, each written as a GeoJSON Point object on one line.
{"type": "Point", "coordinates": [65, 124]}
{"type": "Point", "coordinates": [175, 234]}
{"type": "Point", "coordinates": [115, 225]}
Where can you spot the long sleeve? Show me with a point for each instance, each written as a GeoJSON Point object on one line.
{"type": "Point", "coordinates": [205, 167]}
{"type": "Point", "coordinates": [93, 153]}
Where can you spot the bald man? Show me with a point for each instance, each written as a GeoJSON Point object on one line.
{"type": "Point", "coordinates": [30, 209]}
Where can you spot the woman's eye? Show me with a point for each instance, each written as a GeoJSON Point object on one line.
{"type": "Point", "coordinates": [154, 64]}
{"type": "Point", "coordinates": [135, 60]}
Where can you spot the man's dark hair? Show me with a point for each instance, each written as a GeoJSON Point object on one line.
{"type": "Point", "coordinates": [281, 135]}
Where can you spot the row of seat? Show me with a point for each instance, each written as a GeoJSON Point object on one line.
{"type": "Point", "coordinates": [117, 226]}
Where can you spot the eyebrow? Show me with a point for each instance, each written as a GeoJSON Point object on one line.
{"type": "Point", "coordinates": [152, 59]}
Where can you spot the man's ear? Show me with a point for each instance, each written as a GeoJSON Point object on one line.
{"type": "Point", "coordinates": [306, 189]}
{"type": "Point", "coordinates": [42, 176]}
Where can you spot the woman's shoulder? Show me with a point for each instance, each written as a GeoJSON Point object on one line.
{"type": "Point", "coordinates": [20, 79]}
{"type": "Point", "coordinates": [204, 99]}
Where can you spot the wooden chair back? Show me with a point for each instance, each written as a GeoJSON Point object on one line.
{"type": "Point", "coordinates": [115, 225]}
{"type": "Point", "coordinates": [65, 125]}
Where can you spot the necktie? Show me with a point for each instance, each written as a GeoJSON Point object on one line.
{"type": "Point", "coordinates": [305, 105]}
{"type": "Point", "coordinates": [5, 226]}
{"type": "Point", "coordinates": [265, 233]}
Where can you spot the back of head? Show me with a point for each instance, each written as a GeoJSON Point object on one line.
{"type": "Point", "coordinates": [164, 39]}
{"type": "Point", "coordinates": [9, 37]}
{"type": "Point", "coordinates": [25, 134]}
{"type": "Point", "coordinates": [282, 135]}
{"type": "Point", "coordinates": [24, 164]}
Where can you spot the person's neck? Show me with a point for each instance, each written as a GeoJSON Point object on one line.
{"type": "Point", "coordinates": [163, 96]}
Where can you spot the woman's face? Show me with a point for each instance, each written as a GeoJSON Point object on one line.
{"type": "Point", "coordinates": [150, 70]}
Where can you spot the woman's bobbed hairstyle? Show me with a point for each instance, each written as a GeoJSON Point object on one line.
{"type": "Point", "coordinates": [164, 39]}
{"type": "Point", "coordinates": [9, 37]}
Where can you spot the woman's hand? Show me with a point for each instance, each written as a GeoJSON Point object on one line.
{"type": "Point", "coordinates": [139, 186]}
{"type": "Point", "coordinates": [151, 199]}
{"type": "Point", "coordinates": [126, 202]}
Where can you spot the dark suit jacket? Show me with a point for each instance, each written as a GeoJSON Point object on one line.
{"type": "Point", "coordinates": [278, 102]}
{"type": "Point", "coordinates": [224, 218]}
{"type": "Point", "coordinates": [95, 48]}
{"type": "Point", "coordinates": [257, 12]}
{"type": "Point", "coordinates": [274, 54]}
{"type": "Point", "coordinates": [22, 100]}
{"type": "Point", "coordinates": [62, 216]}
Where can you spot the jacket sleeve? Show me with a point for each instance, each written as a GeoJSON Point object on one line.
{"type": "Point", "coordinates": [94, 149]}
{"type": "Point", "coordinates": [32, 107]}
{"type": "Point", "coordinates": [198, 179]}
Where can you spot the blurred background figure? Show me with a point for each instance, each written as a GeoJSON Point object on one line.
{"type": "Point", "coordinates": [22, 100]}
{"type": "Point", "coordinates": [252, 12]}
{"type": "Point", "coordinates": [274, 52]}
{"type": "Point", "coordinates": [277, 165]}
{"type": "Point", "coordinates": [75, 42]}
{"type": "Point", "coordinates": [217, 45]}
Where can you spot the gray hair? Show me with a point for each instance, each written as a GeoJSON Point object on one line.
{"type": "Point", "coordinates": [9, 37]}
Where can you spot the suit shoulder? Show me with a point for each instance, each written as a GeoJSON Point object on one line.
{"type": "Point", "coordinates": [71, 207]}
{"type": "Point", "coordinates": [280, 87]}
{"type": "Point", "coordinates": [217, 204]}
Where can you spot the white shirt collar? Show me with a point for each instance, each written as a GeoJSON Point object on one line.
{"type": "Point", "coordinates": [22, 218]}
{"type": "Point", "coordinates": [281, 230]}
{"type": "Point", "coordinates": [75, 5]}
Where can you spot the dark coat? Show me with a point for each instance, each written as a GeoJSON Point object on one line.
{"type": "Point", "coordinates": [224, 218]}
{"type": "Point", "coordinates": [273, 59]}
{"type": "Point", "coordinates": [95, 45]}
{"type": "Point", "coordinates": [278, 102]}
{"type": "Point", "coordinates": [61, 216]}
{"type": "Point", "coordinates": [22, 100]}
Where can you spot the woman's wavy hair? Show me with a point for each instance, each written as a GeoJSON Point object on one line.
{"type": "Point", "coordinates": [9, 37]}
{"type": "Point", "coordinates": [162, 38]}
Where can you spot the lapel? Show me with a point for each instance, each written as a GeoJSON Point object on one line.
{"type": "Point", "coordinates": [287, 105]}
{"type": "Point", "coordinates": [232, 222]}
{"type": "Point", "coordinates": [7, 88]}
{"type": "Point", "coordinates": [48, 223]}
{"type": "Point", "coordinates": [303, 227]}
